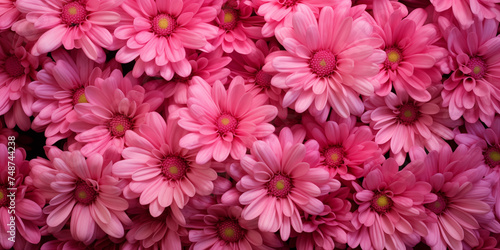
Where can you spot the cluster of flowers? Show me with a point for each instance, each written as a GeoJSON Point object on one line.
{"type": "Point", "coordinates": [251, 124]}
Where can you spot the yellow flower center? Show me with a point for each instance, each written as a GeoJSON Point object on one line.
{"type": "Point", "coordinates": [72, 10]}
{"type": "Point", "coordinates": [393, 56]}
{"type": "Point", "coordinates": [82, 195]}
{"type": "Point", "coordinates": [280, 185]}
{"type": "Point", "coordinates": [408, 113]}
{"type": "Point", "coordinates": [163, 23]}
{"type": "Point", "coordinates": [477, 70]}
{"type": "Point", "coordinates": [173, 170]}
{"type": "Point", "coordinates": [494, 156]}
{"type": "Point", "coordinates": [228, 17]}
{"type": "Point", "coordinates": [119, 128]}
{"type": "Point", "coordinates": [229, 232]}
{"type": "Point", "coordinates": [82, 99]}
{"type": "Point", "coordinates": [382, 201]}
{"type": "Point", "coordinates": [225, 121]}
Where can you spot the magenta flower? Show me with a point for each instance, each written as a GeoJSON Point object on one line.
{"type": "Point", "coordinates": [412, 53]}
{"type": "Point", "coordinates": [222, 227]}
{"type": "Point", "coordinates": [28, 203]}
{"type": "Point", "coordinates": [158, 32]}
{"type": "Point", "coordinates": [223, 122]}
{"type": "Point", "coordinates": [465, 11]}
{"type": "Point", "coordinates": [281, 182]}
{"type": "Point", "coordinates": [471, 90]}
{"type": "Point", "coordinates": [87, 196]}
{"type": "Point", "coordinates": [162, 173]}
{"type": "Point", "coordinates": [60, 86]}
{"type": "Point", "coordinates": [461, 207]}
{"type": "Point", "coordinates": [401, 122]}
{"type": "Point", "coordinates": [80, 24]}
{"type": "Point", "coordinates": [391, 210]}
{"type": "Point", "coordinates": [17, 69]}
{"type": "Point", "coordinates": [326, 61]}
{"type": "Point", "coordinates": [114, 105]}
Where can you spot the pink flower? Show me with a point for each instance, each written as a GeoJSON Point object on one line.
{"type": "Point", "coordinates": [114, 105]}
{"type": "Point", "coordinates": [390, 211]}
{"type": "Point", "coordinates": [8, 14]}
{"type": "Point", "coordinates": [471, 90]}
{"type": "Point", "coordinates": [87, 194]}
{"type": "Point", "coordinates": [237, 28]}
{"type": "Point", "coordinates": [60, 86]}
{"type": "Point", "coordinates": [162, 173]}
{"type": "Point", "coordinates": [343, 147]}
{"type": "Point", "coordinates": [401, 122]}
{"type": "Point", "coordinates": [280, 183]}
{"type": "Point", "coordinates": [326, 61]}
{"type": "Point", "coordinates": [465, 11]}
{"type": "Point", "coordinates": [17, 69]}
{"type": "Point", "coordinates": [18, 199]}
{"type": "Point", "coordinates": [158, 32]}
{"type": "Point", "coordinates": [461, 206]}
{"type": "Point", "coordinates": [412, 53]}
{"type": "Point", "coordinates": [80, 24]}
{"type": "Point", "coordinates": [223, 122]}
{"type": "Point", "coordinates": [222, 227]}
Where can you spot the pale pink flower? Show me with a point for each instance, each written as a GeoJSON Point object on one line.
{"type": "Point", "coordinates": [8, 14]}
{"type": "Point", "coordinates": [161, 173]}
{"type": "Point", "coordinates": [390, 209]}
{"type": "Point", "coordinates": [237, 28]}
{"type": "Point", "coordinates": [158, 32]}
{"type": "Point", "coordinates": [343, 147]}
{"type": "Point", "coordinates": [80, 24]}
{"type": "Point", "coordinates": [18, 199]}
{"type": "Point", "coordinates": [87, 196]}
{"type": "Point", "coordinates": [114, 105]}
{"type": "Point", "coordinates": [329, 229]}
{"type": "Point", "coordinates": [465, 11]}
{"type": "Point", "coordinates": [59, 87]}
{"type": "Point", "coordinates": [461, 206]}
{"type": "Point", "coordinates": [17, 69]}
{"type": "Point", "coordinates": [222, 227]}
{"type": "Point", "coordinates": [471, 90]}
{"type": "Point", "coordinates": [412, 53]}
{"type": "Point", "coordinates": [327, 63]}
{"type": "Point", "coordinates": [400, 122]}
{"type": "Point", "coordinates": [281, 182]}
{"type": "Point", "coordinates": [223, 122]}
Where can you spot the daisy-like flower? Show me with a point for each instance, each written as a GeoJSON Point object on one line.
{"type": "Point", "coordinates": [161, 173]}
{"type": "Point", "coordinates": [17, 69]}
{"type": "Point", "coordinates": [222, 227]}
{"type": "Point", "coordinates": [461, 206]}
{"type": "Point", "coordinates": [471, 90]}
{"type": "Point", "coordinates": [80, 24]}
{"type": "Point", "coordinates": [465, 11]}
{"type": "Point", "coordinates": [343, 147]}
{"type": "Point", "coordinates": [87, 196]}
{"type": "Point", "coordinates": [390, 209]}
{"type": "Point", "coordinates": [280, 182]}
{"type": "Point", "coordinates": [18, 199]}
{"type": "Point", "coordinates": [401, 122]}
{"type": "Point", "coordinates": [114, 105]}
{"type": "Point", "coordinates": [158, 32]}
{"type": "Point", "coordinates": [223, 122]}
{"type": "Point", "coordinates": [237, 28]}
{"type": "Point", "coordinates": [59, 87]}
{"type": "Point", "coordinates": [328, 62]}
{"type": "Point", "coordinates": [410, 64]}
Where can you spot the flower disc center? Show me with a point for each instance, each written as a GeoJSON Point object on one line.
{"type": "Point", "coordinates": [492, 156]}
{"type": "Point", "coordinates": [381, 203]}
{"type": "Point", "coordinates": [84, 193]}
{"type": "Point", "coordinates": [439, 205]}
{"type": "Point", "coordinates": [394, 57]}
{"type": "Point", "coordinates": [323, 63]}
{"type": "Point", "coordinates": [73, 14]}
{"type": "Point", "coordinates": [79, 96]}
{"type": "Point", "coordinates": [226, 123]}
{"type": "Point", "coordinates": [229, 19]}
{"type": "Point", "coordinates": [230, 231]}
{"type": "Point", "coordinates": [13, 66]}
{"type": "Point", "coordinates": [163, 25]}
{"type": "Point", "coordinates": [478, 67]}
{"type": "Point", "coordinates": [174, 167]}
{"type": "Point", "coordinates": [334, 156]}
{"type": "Point", "coordinates": [408, 113]}
{"type": "Point", "coordinates": [279, 186]}
{"type": "Point", "coordinates": [119, 124]}
{"type": "Point", "coordinates": [263, 79]}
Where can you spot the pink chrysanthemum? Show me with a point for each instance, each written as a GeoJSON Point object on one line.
{"type": "Point", "coordinates": [410, 64]}
{"type": "Point", "coordinates": [461, 207]}
{"type": "Point", "coordinates": [222, 227]}
{"type": "Point", "coordinates": [87, 194]}
{"type": "Point", "coordinates": [471, 90]}
{"type": "Point", "coordinates": [162, 173]}
{"type": "Point", "coordinates": [223, 122]}
{"type": "Point", "coordinates": [80, 24]}
{"type": "Point", "coordinates": [401, 122]}
{"type": "Point", "coordinates": [158, 32]}
{"type": "Point", "coordinates": [237, 28]}
{"type": "Point", "coordinates": [114, 105]}
{"type": "Point", "coordinates": [329, 229]}
{"type": "Point", "coordinates": [18, 199]}
{"type": "Point", "coordinates": [17, 69]}
{"type": "Point", "coordinates": [328, 62]}
{"type": "Point", "coordinates": [343, 147]}
{"type": "Point", "coordinates": [60, 86]}
{"type": "Point", "coordinates": [465, 11]}
{"type": "Point", "coordinates": [391, 210]}
{"type": "Point", "coordinates": [281, 181]}
{"type": "Point", "coordinates": [8, 14]}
